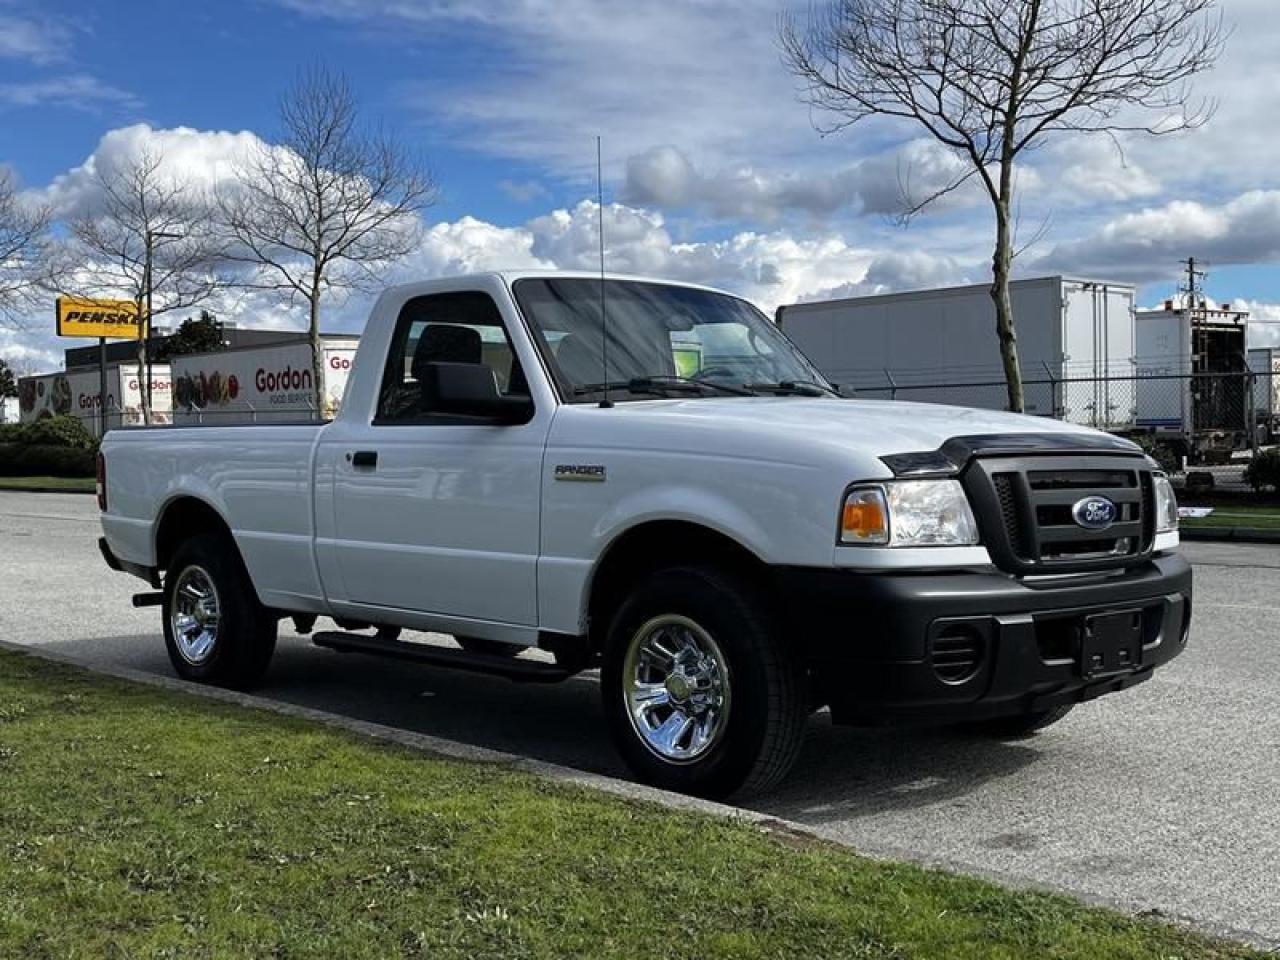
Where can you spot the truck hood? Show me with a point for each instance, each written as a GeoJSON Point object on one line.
{"type": "Point", "coordinates": [803, 429]}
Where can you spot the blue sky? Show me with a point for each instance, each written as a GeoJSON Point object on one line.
{"type": "Point", "coordinates": [714, 171]}
{"type": "Point", "coordinates": [225, 72]}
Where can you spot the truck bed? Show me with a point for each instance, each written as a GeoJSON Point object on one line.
{"type": "Point", "coordinates": [257, 476]}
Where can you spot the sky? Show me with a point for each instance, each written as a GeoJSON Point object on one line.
{"type": "Point", "coordinates": [714, 170]}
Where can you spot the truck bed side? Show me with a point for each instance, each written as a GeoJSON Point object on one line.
{"type": "Point", "coordinates": [257, 478]}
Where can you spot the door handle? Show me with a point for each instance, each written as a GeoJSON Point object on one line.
{"type": "Point", "coordinates": [365, 458]}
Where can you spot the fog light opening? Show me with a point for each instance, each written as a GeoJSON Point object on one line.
{"type": "Point", "coordinates": [957, 653]}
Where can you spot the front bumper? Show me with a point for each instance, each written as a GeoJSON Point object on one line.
{"type": "Point", "coordinates": [883, 647]}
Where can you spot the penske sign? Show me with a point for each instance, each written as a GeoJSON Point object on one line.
{"type": "Point", "coordinates": [80, 317]}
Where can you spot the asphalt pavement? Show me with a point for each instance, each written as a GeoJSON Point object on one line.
{"type": "Point", "coordinates": [1163, 798]}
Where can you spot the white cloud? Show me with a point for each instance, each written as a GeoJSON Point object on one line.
{"type": "Point", "coordinates": [78, 91]}
{"type": "Point", "coordinates": [1147, 244]}
{"type": "Point", "coordinates": [704, 75]}
{"type": "Point", "coordinates": [1264, 323]}
{"type": "Point", "coordinates": [38, 41]}
{"type": "Point", "coordinates": [884, 184]}
{"type": "Point", "coordinates": [524, 191]}
{"type": "Point", "coordinates": [1089, 169]}
{"type": "Point", "coordinates": [707, 77]}
{"type": "Point", "coordinates": [469, 245]}
{"type": "Point", "coordinates": [26, 352]}
{"type": "Point", "coordinates": [699, 117]}
{"type": "Point", "coordinates": [768, 268]}
{"type": "Point", "coordinates": [200, 159]}
{"type": "Point", "coordinates": [895, 271]}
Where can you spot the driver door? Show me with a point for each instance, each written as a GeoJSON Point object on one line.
{"type": "Point", "coordinates": [438, 512]}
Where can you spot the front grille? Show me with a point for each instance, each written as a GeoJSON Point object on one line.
{"type": "Point", "coordinates": [1025, 505]}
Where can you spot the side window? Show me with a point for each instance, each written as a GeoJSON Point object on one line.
{"type": "Point", "coordinates": [464, 327]}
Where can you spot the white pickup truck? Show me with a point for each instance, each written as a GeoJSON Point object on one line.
{"type": "Point", "coordinates": [649, 478]}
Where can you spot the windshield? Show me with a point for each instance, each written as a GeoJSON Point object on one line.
{"type": "Point", "coordinates": [660, 338]}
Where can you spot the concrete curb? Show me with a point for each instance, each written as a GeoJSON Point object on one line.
{"type": "Point", "coordinates": [633, 791]}
{"type": "Point", "coordinates": [1230, 534]}
{"type": "Point", "coordinates": [37, 489]}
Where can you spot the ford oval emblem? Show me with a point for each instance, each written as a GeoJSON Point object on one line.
{"type": "Point", "coordinates": [1094, 513]}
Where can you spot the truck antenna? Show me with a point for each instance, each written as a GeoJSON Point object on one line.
{"type": "Point", "coordinates": [604, 311]}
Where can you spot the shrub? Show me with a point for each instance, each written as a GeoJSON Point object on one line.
{"type": "Point", "coordinates": [61, 431]}
{"type": "Point", "coordinates": [12, 432]}
{"type": "Point", "coordinates": [1263, 470]}
{"type": "Point", "coordinates": [35, 460]}
{"type": "Point", "coordinates": [1159, 451]}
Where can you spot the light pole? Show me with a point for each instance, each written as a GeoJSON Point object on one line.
{"type": "Point", "coordinates": [151, 237]}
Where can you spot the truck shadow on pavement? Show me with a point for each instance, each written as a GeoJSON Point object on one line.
{"type": "Point", "coordinates": [842, 774]}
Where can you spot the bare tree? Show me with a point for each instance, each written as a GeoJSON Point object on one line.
{"type": "Point", "coordinates": [328, 208]}
{"type": "Point", "coordinates": [149, 234]}
{"type": "Point", "coordinates": [992, 79]}
{"type": "Point", "coordinates": [8, 381]}
{"type": "Point", "coordinates": [25, 261]}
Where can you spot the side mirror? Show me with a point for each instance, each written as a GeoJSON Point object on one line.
{"type": "Point", "coordinates": [470, 390]}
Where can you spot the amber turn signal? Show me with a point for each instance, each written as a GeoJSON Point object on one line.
{"type": "Point", "coordinates": [865, 518]}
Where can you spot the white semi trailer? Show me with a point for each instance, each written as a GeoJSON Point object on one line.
{"type": "Point", "coordinates": [1075, 340]}
{"type": "Point", "coordinates": [78, 393]}
{"type": "Point", "coordinates": [1194, 389]}
{"type": "Point", "coordinates": [262, 384]}
{"type": "Point", "coordinates": [1264, 364]}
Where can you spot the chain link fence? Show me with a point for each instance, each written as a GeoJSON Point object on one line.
{"type": "Point", "coordinates": [124, 418]}
{"type": "Point", "coordinates": [1209, 423]}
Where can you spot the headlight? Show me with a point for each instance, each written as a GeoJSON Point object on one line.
{"type": "Point", "coordinates": [1166, 505]}
{"type": "Point", "coordinates": [909, 513]}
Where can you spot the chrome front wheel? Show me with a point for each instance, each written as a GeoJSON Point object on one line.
{"type": "Point", "coordinates": [195, 615]}
{"type": "Point", "coordinates": [677, 687]}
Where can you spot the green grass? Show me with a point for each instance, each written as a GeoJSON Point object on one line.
{"type": "Point", "coordinates": [135, 822]}
{"type": "Point", "coordinates": [76, 484]}
{"type": "Point", "coordinates": [1233, 515]}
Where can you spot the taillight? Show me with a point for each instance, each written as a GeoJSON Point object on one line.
{"type": "Point", "coordinates": [102, 482]}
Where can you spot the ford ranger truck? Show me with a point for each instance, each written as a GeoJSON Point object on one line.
{"type": "Point", "coordinates": [648, 478]}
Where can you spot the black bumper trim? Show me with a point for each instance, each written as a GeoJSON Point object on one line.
{"type": "Point", "coordinates": [149, 574]}
{"type": "Point", "coordinates": [868, 637]}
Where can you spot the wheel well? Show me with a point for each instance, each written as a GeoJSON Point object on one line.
{"type": "Point", "coordinates": [653, 546]}
{"type": "Point", "coordinates": [182, 519]}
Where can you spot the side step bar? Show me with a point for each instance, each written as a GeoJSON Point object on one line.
{"type": "Point", "coordinates": [514, 668]}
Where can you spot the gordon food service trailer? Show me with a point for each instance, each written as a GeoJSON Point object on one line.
{"type": "Point", "coordinates": [261, 384]}
{"type": "Point", "coordinates": [1075, 342]}
{"type": "Point", "coordinates": [77, 392]}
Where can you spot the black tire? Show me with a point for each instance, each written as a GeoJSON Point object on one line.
{"type": "Point", "coordinates": [246, 631]}
{"type": "Point", "coordinates": [764, 725]}
{"type": "Point", "coordinates": [1020, 725]}
{"type": "Point", "coordinates": [490, 648]}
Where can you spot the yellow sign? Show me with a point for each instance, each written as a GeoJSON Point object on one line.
{"type": "Point", "coordinates": [80, 317]}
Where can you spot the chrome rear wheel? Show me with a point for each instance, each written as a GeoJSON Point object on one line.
{"type": "Point", "coordinates": [195, 615]}
{"type": "Point", "coordinates": [215, 628]}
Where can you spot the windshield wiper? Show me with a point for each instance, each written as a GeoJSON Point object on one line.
{"type": "Point", "coordinates": [798, 388]}
{"type": "Point", "coordinates": [661, 385]}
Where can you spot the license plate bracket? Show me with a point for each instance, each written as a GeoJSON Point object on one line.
{"type": "Point", "coordinates": [1111, 643]}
